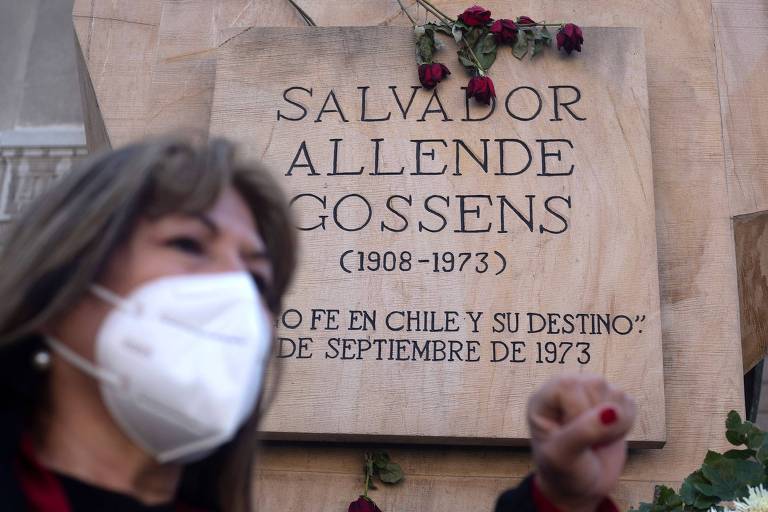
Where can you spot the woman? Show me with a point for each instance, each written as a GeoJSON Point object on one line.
{"type": "Point", "coordinates": [136, 327]}
{"type": "Point", "coordinates": [110, 260]}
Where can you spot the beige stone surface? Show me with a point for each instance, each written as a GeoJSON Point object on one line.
{"type": "Point", "coordinates": [741, 30]}
{"type": "Point", "coordinates": [119, 45]}
{"type": "Point", "coordinates": [699, 302]}
{"type": "Point", "coordinates": [596, 254]}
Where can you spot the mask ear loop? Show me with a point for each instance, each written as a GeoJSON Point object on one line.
{"type": "Point", "coordinates": [111, 297]}
{"type": "Point", "coordinates": [82, 363]}
{"type": "Point", "coordinates": [78, 361]}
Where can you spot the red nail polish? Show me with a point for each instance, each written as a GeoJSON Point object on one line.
{"type": "Point", "coordinates": [608, 416]}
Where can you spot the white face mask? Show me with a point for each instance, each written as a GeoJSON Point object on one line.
{"type": "Point", "coordinates": [180, 361]}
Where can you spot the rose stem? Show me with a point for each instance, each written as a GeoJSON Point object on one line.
{"type": "Point", "coordinates": [402, 8]}
{"type": "Point", "coordinates": [434, 10]}
{"type": "Point", "coordinates": [474, 57]}
{"type": "Point", "coordinates": [540, 24]}
{"type": "Point", "coordinates": [367, 480]}
{"type": "Point", "coordinates": [309, 21]}
{"type": "Point", "coordinates": [438, 10]}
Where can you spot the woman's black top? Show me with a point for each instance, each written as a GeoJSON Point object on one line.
{"type": "Point", "coordinates": [85, 497]}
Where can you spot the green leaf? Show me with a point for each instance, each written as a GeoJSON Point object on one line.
{"type": "Point", "coordinates": [743, 433]}
{"type": "Point", "coordinates": [538, 45]}
{"type": "Point", "coordinates": [530, 35]}
{"type": "Point", "coordinates": [665, 500]}
{"type": "Point", "coordinates": [546, 36]}
{"type": "Point", "coordinates": [668, 497]}
{"type": "Point", "coordinates": [688, 491]}
{"type": "Point", "coordinates": [762, 452]}
{"type": "Point", "coordinates": [486, 44]}
{"type": "Point", "coordinates": [691, 494]}
{"type": "Point", "coordinates": [739, 436]}
{"type": "Point", "coordinates": [755, 438]}
{"type": "Point", "coordinates": [461, 25]}
{"type": "Point", "coordinates": [520, 48]}
{"type": "Point", "coordinates": [425, 47]}
{"type": "Point", "coordinates": [733, 421]}
{"type": "Point", "coordinates": [466, 59]}
{"type": "Point", "coordinates": [740, 454]}
{"type": "Point", "coordinates": [391, 474]}
{"type": "Point", "coordinates": [472, 36]}
{"type": "Point", "coordinates": [728, 478]}
{"type": "Point", "coordinates": [380, 464]}
{"type": "Point", "coordinates": [439, 27]}
{"type": "Point", "coordinates": [735, 438]}
{"type": "Point", "coordinates": [485, 51]}
{"type": "Point", "coordinates": [736, 430]}
{"type": "Point", "coordinates": [380, 460]}
{"type": "Point", "coordinates": [668, 503]}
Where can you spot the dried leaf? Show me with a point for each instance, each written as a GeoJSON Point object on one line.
{"type": "Point", "coordinates": [425, 47]}
{"type": "Point", "coordinates": [391, 474]}
{"type": "Point", "coordinates": [485, 51]}
{"type": "Point", "coordinates": [458, 34]}
{"type": "Point", "coordinates": [520, 48]}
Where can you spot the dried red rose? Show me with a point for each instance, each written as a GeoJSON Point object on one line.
{"type": "Point", "coordinates": [505, 31]}
{"type": "Point", "coordinates": [481, 88]}
{"type": "Point", "coordinates": [475, 16]}
{"type": "Point", "coordinates": [363, 504]}
{"type": "Point", "coordinates": [431, 74]}
{"type": "Point", "coordinates": [525, 20]}
{"type": "Point", "coordinates": [570, 38]}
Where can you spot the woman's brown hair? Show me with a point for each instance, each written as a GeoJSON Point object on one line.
{"type": "Point", "coordinates": [62, 242]}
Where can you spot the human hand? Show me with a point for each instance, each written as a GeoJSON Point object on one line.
{"type": "Point", "coordinates": [578, 426]}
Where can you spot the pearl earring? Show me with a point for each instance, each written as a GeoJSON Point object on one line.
{"type": "Point", "coordinates": [42, 360]}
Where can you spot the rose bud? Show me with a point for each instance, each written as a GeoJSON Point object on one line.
{"type": "Point", "coordinates": [505, 31]}
{"type": "Point", "coordinates": [525, 20]}
{"type": "Point", "coordinates": [481, 88]}
{"type": "Point", "coordinates": [570, 38]}
{"type": "Point", "coordinates": [363, 504]}
{"type": "Point", "coordinates": [431, 74]}
{"type": "Point", "coordinates": [475, 16]}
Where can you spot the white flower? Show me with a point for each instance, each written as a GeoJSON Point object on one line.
{"type": "Point", "coordinates": [757, 501]}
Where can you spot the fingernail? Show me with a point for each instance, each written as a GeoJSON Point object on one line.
{"type": "Point", "coordinates": [608, 416]}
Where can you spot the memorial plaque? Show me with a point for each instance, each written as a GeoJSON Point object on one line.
{"type": "Point", "coordinates": [454, 255]}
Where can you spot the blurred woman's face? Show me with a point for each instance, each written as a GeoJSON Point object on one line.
{"type": "Point", "coordinates": [223, 239]}
{"type": "Point", "coordinates": [81, 437]}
